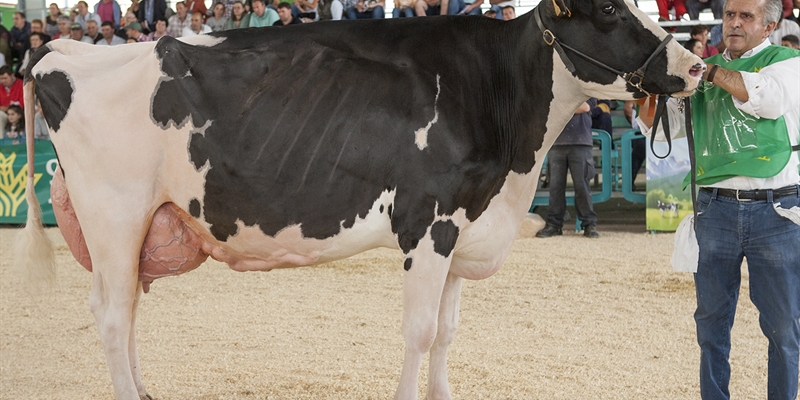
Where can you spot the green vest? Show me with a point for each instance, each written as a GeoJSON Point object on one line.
{"type": "Point", "coordinates": [729, 142]}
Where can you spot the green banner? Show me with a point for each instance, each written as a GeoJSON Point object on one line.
{"type": "Point", "coordinates": [13, 178]}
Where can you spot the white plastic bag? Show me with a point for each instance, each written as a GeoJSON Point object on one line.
{"type": "Point", "coordinates": [792, 214]}
{"type": "Point", "coordinates": [686, 251]}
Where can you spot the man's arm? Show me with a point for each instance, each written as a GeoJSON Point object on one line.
{"type": "Point", "coordinates": [728, 80]}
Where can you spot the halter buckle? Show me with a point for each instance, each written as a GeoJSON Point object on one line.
{"type": "Point", "coordinates": [548, 36]}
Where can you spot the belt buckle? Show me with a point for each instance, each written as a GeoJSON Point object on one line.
{"type": "Point", "coordinates": [740, 199]}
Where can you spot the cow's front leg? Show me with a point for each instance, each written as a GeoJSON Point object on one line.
{"type": "Point", "coordinates": [133, 353]}
{"type": "Point", "coordinates": [438, 387]}
{"type": "Point", "coordinates": [422, 289]}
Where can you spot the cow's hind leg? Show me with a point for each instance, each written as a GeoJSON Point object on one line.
{"type": "Point", "coordinates": [438, 387]}
{"type": "Point", "coordinates": [422, 289]}
{"type": "Point", "coordinates": [133, 353]}
{"type": "Point", "coordinates": [112, 301]}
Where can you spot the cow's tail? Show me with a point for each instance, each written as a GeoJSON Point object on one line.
{"type": "Point", "coordinates": [34, 250]}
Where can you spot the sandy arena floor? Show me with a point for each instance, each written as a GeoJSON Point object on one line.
{"type": "Point", "coordinates": [565, 318]}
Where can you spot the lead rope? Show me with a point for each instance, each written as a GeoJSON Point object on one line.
{"type": "Point", "coordinates": [692, 160]}
{"type": "Point", "coordinates": [661, 116]}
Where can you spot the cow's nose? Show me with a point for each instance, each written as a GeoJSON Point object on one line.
{"type": "Point", "coordinates": [697, 70]}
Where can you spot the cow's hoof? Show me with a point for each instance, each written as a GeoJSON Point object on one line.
{"type": "Point", "coordinates": [145, 397]}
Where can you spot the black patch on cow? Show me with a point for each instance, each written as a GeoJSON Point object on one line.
{"type": "Point", "coordinates": [35, 58]}
{"type": "Point", "coordinates": [54, 90]}
{"type": "Point", "coordinates": [389, 210]}
{"type": "Point", "coordinates": [407, 264]}
{"type": "Point", "coordinates": [444, 235]}
{"type": "Point", "coordinates": [194, 208]}
{"type": "Point", "coordinates": [310, 125]}
{"type": "Point", "coordinates": [381, 209]}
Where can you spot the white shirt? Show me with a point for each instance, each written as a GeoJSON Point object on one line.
{"type": "Point", "coordinates": [115, 40]}
{"type": "Point", "coordinates": [773, 92]}
{"type": "Point", "coordinates": [786, 28]}
{"type": "Point", "coordinates": [189, 32]}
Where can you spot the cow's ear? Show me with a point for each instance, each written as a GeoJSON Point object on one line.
{"type": "Point", "coordinates": [561, 8]}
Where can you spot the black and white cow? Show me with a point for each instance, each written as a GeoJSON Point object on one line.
{"type": "Point", "coordinates": [269, 148]}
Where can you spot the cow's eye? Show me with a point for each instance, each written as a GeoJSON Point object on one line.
{"type": "Point", "coordinates": [609, 9]}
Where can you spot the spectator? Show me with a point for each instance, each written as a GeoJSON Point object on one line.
{"type": "Point", "coordinates": [285, 15]}
{"type": "Point", "coordinates": [109, 35]}
{"type": "Point", "coordinates": [10, 93]}
{"type": "Point", "coordinates": [431, 7]}
{"type": "Point", "coordinates": [490, 13]}
{"type": "Point", "coordinates": [76, 33]}
{"type": "Point", "coordinates": [403, 8]}
{"type": "Point", "coordinates": [83, 15]}
{"type": "Point", "coordinates": [572, 150]}
{"type": "Point", "coordinates": [151, 11]}
{"type": "Point", "coordinates": [465, 7]}
{"type": "Point", "coordinates": [160, 30]}
{"type": "Point", "coordinates": [134, 31]}
{"type": "Point", "coordinates": [40, 130]}
{"type": "Point", "coordinates": [784, 28]}
{"type": "Point", "coordinates": [179, 21]}
{"type": "Point", "coordinates": [497, 6]}
{"type": "Point", "coordinates": [695, 46]}
{"type": "Point", "coordinates": [693, 8]}
{"type": "Point", "coordinates": [196, 27]}
{"type": "Point", "coordinates": [38, 26]}
{"type": "Point", "coordinates": [20, 35]}
{"type": "Point", "coordinates": [366, 9]}
{"type": "Point", "coordinates": [5, 47]}
{"type": "Point", "coordinates": [665, 5]}
{"type": "Point", "coordinates": [93, 31]}
{"type": "Point", "coordinates": [601, 116]}
{"type": "Point", "coordinates": [715, 38]}
{"type": "Point", "coordinates": [51, 21]}
{"type": "Point", "coordinates": [307, 10]}
{"type": "Point", "coordinates": [37, 40]}
{"type": "Point", "coordinates": [791, 41]}
{"type": "Point", "coordinates": [746, 196]}
{"type": "Point", "coordinates": [134, 8]}
{"type": "Point", "coordinates": [63, 28]}
{"type": "Point", "coordinates": [193, 6]}
{"type": "Point", "coordinates": [509, 13]}
{"type": "Point", "coordinates": [228, 7]}
{"type": "Point", "coordinates": [338, 7]}
{"type": "Point", "coordinates": [14, 127]}
{"type": "Point", "coordinates": [218, 21]}
{"type": "Point", "coordinates": [240, 18]}
{"type": "Point", "coordinates": [262, 16]}
{"type": "Point", "coordinates": [700, 32]}
{"type": "Point", "coordinates": [108, 10]}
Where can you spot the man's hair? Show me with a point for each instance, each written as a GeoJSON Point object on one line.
{"type": "Point", "coordinates": [63, 17]}
{"type": "Point", "coordinates": [84, 3]}
{"type": "Point", "coordinates": [490, 12]}
{"type": "Point", "coordinates": [21, 14]}
{"type": "Point", "coordinates": [6, 70]}
{"type": "Point", "coordinates": [698, 29]}
{"type": "Point", "coordinates": [689, 45]}
{"type": "Point", "coordinates": [264, 2]}
{"type": "Point", "coordinates": [108, 23]}
{"type": "Point", "coordinates": [91, 21]}
{"type": "Point", "coordinates": [181, 3]}
{"type": "Point", "coordinates": [773, 11]}
{"type": "Point", "coordinates": [791, 39]}
{"type": "Point", "coordinates": [284, 5]}
{"type": "Point", "coordinates": [37, 21]}
{"type": "Point", "coordinates": [507, 7]}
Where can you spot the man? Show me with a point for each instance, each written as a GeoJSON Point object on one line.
{"type": "Point", "coordinates": [10, 93]}
{"type": "Point", "coordinates": [64, 31]}
{"type": "Point", "coordinates": [178, 22]}
{"type": "Point", "coordinates": [364, 9]}
{"type": "Point", "coordinates": [791, 41]}
{"type": "Point", "coordinates": [693, 8]}
{"type": "Point", "coordinates": [572, 150]}
{"type": "Point", "coordinates": [700, 32]}
{"type": "Point", "coordinates": [784, 27]}
{"type": "Point", "coordinates": [196, 27]}
{"type": "Point", "coordinates": [746, 122]}
{"type": "Point", "coordinates": [83, 15]}
{"type": "Point", "coordinates": [20, 36]}
{"type": "Point", "coordinates": [431, 7]}
{"type": "Point", "coordinates": [151, 11]}
{"type": "Point", "coordinates": [134, 31]}
{"type": "Point", "coordinates": [93, 31]}
{"type": "Point", "coordinates": [509, 13]}
{"type": "Point", "coordinates": [285, 15]}
{"type": "Point", "coordinates": [108, 10]}
{"type": "Point", "coordinates": [262, 16]}
{"type": "Point", "coordinates": [464, 7]}
{"type": "Point", "coordinates": [76, 33]}
{"type": "Point", "coordinates": [109, 37]}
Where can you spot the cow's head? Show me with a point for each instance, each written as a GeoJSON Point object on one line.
{"type": "Point", "coordinates": [617, 49]}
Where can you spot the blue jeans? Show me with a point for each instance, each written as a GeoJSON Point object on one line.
{"type": "Point", "coordinates": [375, 13]}
{"type": "Point", "coordinates": [457, 5]}
{"type": "Point", "coordinates": [407, 13]}
{"type": "Point", "coordinates": [727, 231]}
{"type": "Point", "coordinates": [579, 161]}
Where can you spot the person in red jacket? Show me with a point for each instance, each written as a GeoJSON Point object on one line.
{"type": "Point", "coordinates": [10, 93]}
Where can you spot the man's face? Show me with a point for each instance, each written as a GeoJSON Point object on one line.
{"type": "Point", "coordinates": [702, 37]}
{"type": "Point", "coordinates": [180, 9]}
{"type": "Point", "coordinates": [7, 80]}
{"type": "Point", "coordinates": [107, 31]}
{"type": "Point", "coordinates": [197, 22]}
{"type": "Point", "coordinates": [76, 34]}
{"type": "Point", "coordinates": [509, 14]}
{"type": "Point", "coordinates": [63, 27]}
{"type": "Point", "coordinates": [82, 9]}
{"type": "Point", "coordinates": [285, 14]}
{"type": "Point", "coordinates": [37, 27]}
{"type": "Point", "coordinates": [91, 28]}
{"type": "Point", "coordinates": [19, 22]}
{"type": "Point", "coordinates": [743, 26]}
{"type": "Point", "coordinates": [259, 8]}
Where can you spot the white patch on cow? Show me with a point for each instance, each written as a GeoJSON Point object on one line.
{"type": "Point", "coordinates": [202, 40]}
{"type": "Point", "coordinates": [202, 130]}
{"type": "Point", "coordinates": [421, 135]}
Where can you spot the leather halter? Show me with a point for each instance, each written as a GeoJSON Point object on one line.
{"type": "Point", "coordinates": [634, 78]}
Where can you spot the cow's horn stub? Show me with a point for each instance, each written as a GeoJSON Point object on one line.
{"type": "Point", "coordinates": [561, 10]}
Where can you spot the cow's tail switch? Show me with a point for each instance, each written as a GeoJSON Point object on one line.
{"type": "Point", "coordinates": [34, 250]}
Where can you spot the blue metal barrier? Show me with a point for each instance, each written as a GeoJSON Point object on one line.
{"type": "Point", "coordinates": [627, 169]}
